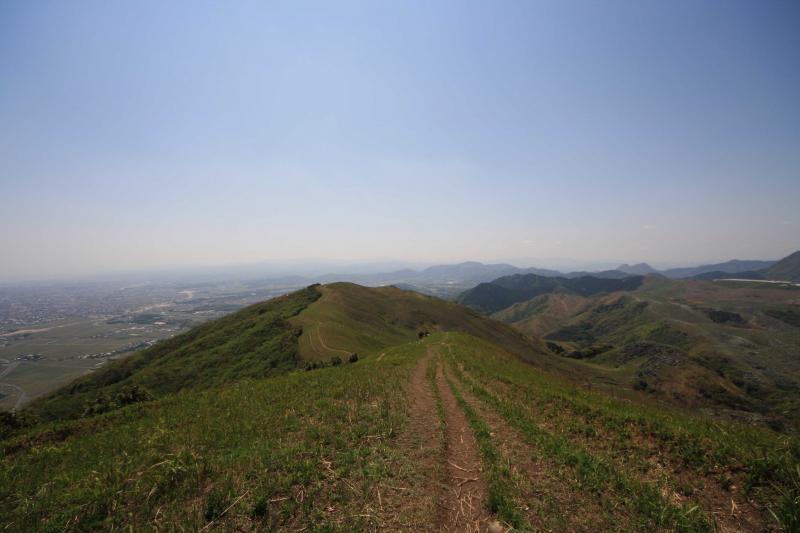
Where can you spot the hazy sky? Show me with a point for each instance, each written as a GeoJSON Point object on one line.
{"type": "Point", "coordinates": [136, 134]}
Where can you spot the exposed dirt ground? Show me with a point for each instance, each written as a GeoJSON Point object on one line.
{"type": "Point", "coordinates": [414, 500]}
{"type": "Point", "coordinates": [465, 495]}
{"type": "Point", "coordinates": [444, 489]}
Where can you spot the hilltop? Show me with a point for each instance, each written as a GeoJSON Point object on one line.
{"type": "Point", "coordinates": [350, 318]}
{"type": "Point", "coordinates": [640, 269]}
{"type": "Point", "coordinates": [313, 325]}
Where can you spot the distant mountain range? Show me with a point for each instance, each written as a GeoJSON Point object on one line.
{"type": "Point", "coordinates": [734, 266]}
{"type": "Point", "coordinates": [450, 280]}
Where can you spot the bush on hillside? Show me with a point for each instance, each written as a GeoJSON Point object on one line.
{"type": "Point", "coordinates": [555, 348]}
{"type": "Point", "coordinates": [127, 395]}
{"type": "Point", "coordinates": [11, 422]}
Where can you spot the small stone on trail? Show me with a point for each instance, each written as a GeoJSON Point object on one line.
{"type": "Point", "coordinates": [495, 527]}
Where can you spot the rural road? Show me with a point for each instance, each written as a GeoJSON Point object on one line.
{"type": "Point", "coordinates": [22, 395]}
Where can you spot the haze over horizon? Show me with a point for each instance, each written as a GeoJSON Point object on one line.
{"type": "Point", "coordinates": [143, 135]}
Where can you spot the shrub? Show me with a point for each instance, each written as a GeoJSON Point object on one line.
{"type": "Point", "coordinates": [555, 348]}
{"type": "Point", "coordinates": [127, 395]}
{"type": "Point", "coordinates": [132, 394]}
{"type": "Point", "coordinates": [13, 421]}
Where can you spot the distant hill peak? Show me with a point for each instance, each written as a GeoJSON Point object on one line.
{"type": "Point", "coordinates": [639, 269]}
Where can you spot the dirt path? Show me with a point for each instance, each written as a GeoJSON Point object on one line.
{"type": "Point", "coordinates": [411, 502]}
{"type": "Point", "coordinates": [439, 486]}
{"type": "Point", "coordinates": [9, 368]}
{"type": "Point", "coordinates": [466, 492]}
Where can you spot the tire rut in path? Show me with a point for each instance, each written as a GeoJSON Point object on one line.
{"type": "Point", "coordinates": [439, 484]}
{"type": "Point", "coordinates": [464, 501]}
{"type": "Point", "coordinates": [412, 504]}
{"type": "Point", "coordinates": [719, 505]}
{"type": "Point", "coordinates": [546, 496]}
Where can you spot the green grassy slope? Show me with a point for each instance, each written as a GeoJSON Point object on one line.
{"type": "Point", "coordinates": [787, 269]}
{"type": "Point", "coordinates": [283, 450]}
{"type": "Point", "coordinates": [701, 344]}
{"type": "Point", "coordinates": [257, 341]}
{"type": "Point", "coordinates": [350, 318]}
{"type": "Point", "coordinates": [506, 291]}
{"type": "Point", "coordinates": [625, 449]}
{"type": "Point", "coordinates": [324, 451]}
{"type": "Point", "coordinates": [543, 314]}
{"type": "Point", "coordinates": [274, 337]}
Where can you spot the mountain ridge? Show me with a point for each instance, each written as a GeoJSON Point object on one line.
{"type": "Point", "coordinates": [315, 325]}
{"type": "Point", "coordinates": [506, 291]}
{"type": "Point", "coordinates": [477, 272]}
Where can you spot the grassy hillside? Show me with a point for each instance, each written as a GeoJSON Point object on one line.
{"type": "Point", "coordinates": [543, 314]}
{"type": "Point", "coordinates": [506, 291]}
{"type": "Point", "coordinates": [350, 318]}
{"type": "Point", "coordinates": [315, 325]}
{"type": "Point", "coordinates": [787, 269]}
{"type": "Point", "coordinates": [441, 434]}
{"type": "Point", "coordinates": [258, 341]}
{"type": "Point", "coordinates": [728, 347]}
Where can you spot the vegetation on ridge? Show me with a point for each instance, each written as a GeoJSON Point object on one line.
{"type": "Point", "coordinates": [323, 450]}
{"type": "Point", "coordinates": [364, 445]}
{"type": "Point", "coordinates": [506, 291]}
{"type": "Point", "coordinates": [258, 341]}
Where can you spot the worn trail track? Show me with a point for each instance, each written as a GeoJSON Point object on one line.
{"type": "Point", "coordinates": [546, 496]}
{"type": "Point", "coordinates": [444, 489]}
{"type": "Point", "coordinates": [441, 482]}
{"type": "Point", "coordinates": [465, 497]}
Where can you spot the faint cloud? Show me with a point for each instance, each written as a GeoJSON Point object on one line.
{"type": "Point", "coordinates": [648, 227]}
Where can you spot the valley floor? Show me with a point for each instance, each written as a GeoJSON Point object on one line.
{"type": "Point", "coordinates": [445, 434]}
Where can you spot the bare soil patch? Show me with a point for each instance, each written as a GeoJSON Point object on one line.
{"type": "Point", "coordinates": [412, 499]}
{"type": "Point", "coordinates": [465, 495]}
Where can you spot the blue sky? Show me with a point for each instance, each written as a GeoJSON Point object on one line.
{"type": "Point", "coordinates": [142, 134]}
